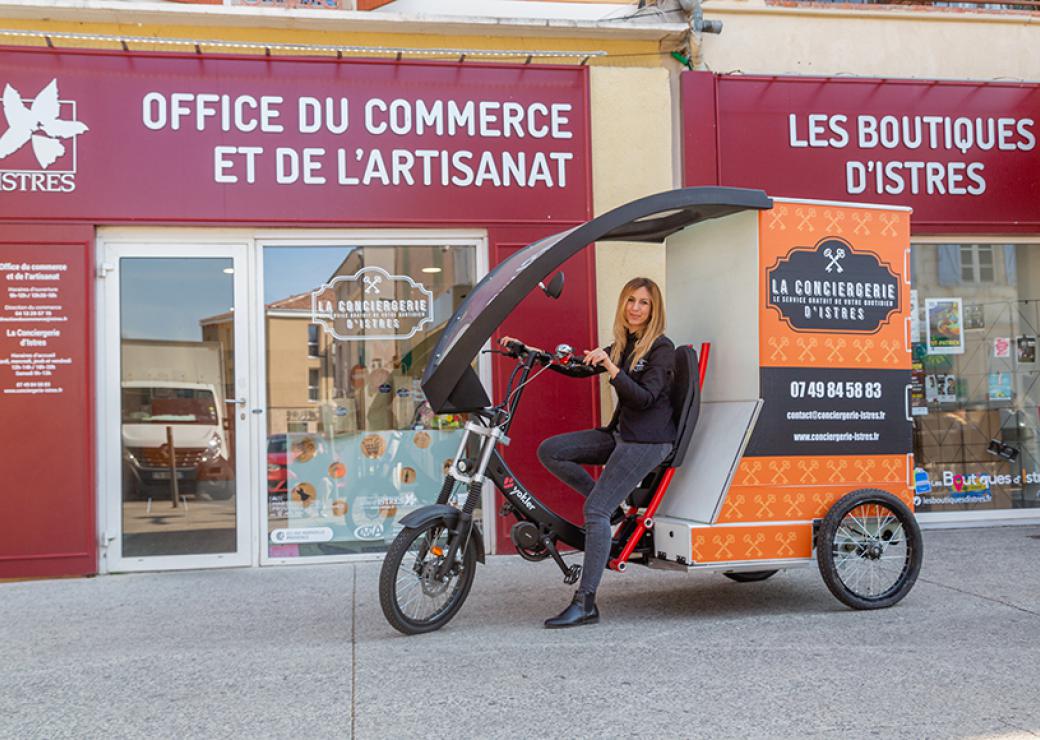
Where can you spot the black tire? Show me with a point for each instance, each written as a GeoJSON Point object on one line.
{"type": "Point", "coordinates": [750, 576]}
{"type": "Point", "coordinates": [403, 571]}
{"type": "Point", "coordinates": [859, 533]}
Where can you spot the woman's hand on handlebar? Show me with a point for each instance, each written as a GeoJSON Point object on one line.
{"type": "Point", "coordinates": [599, 356]}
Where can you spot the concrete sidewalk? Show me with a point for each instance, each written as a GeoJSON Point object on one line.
{"type": "Point", "coordinates": [305, 652]}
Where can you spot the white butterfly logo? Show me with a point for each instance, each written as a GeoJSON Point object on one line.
{"type": "Point", "coordinates": [38, 123]}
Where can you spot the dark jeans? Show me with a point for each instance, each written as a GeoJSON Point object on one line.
{"type": "Point", "coordinates": [626, 464]}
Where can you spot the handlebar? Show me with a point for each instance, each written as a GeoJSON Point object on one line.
{"type": "Point", "coordinates": [564, 357]}
{"type": "Point", "coordinates": [519, 350]}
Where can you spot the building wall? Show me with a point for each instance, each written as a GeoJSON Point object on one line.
{"type": "Point", "coordinates": [287, 378]}
{"type": "Point", "coordinates": [928, 43]}
{"type": "Point", "coordinates": [632, 153]}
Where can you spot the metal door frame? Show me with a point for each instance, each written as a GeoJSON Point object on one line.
{"type": "Point", "coordinates": [113, 245]}
{"type": "Point", "coordinates": [245, 246]}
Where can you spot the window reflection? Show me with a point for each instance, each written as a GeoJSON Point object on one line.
{"type": "Point", "coordinates": [976, 401]}
{"type": "Point", "coordinates": [177, 431]}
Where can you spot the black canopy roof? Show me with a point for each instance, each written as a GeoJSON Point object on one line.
{"type": "Point", "coordinates": [449, 381]}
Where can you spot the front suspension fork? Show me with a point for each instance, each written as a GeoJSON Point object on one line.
{"type": "Point", "coordinates": [459, 537]}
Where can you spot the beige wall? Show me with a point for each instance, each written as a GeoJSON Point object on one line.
{"type": "Point", "coordinates": [930, 43]}
{"type": "Point", "coordinates": [632, 156]}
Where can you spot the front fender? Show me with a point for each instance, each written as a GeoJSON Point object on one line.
{"type": "Point", "coordinates": [449, 514]}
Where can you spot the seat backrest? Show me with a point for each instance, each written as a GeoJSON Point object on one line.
{"type": "Point", "coordinates": [686, 401]}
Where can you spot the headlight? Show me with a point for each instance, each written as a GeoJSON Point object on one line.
{"type": "Point", "coordinates": [214, 440]}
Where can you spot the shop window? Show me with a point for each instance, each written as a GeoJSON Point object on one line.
{"type": "Point", "coordinates": [976, 379]}
{"type": "Point", "coordinates": [313, 337]}
{"type": "Point", "coordinates": [358, 447]}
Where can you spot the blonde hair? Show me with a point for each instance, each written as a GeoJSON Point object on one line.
{"type": "Point", "coordinates": [650, 331]}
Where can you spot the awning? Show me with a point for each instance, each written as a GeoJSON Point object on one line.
{"type": "Point", "coordinates": [449, 381]}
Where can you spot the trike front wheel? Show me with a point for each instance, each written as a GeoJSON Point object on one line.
{"type": "Point", "coordinates": [415, 599]}
{"type": "Point", "coordinates": [869, 549]}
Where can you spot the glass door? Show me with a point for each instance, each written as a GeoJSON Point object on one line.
{"type": "Point", "coordinates": [176, 406]}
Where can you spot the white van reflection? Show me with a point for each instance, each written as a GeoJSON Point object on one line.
{"type": "Point", "coordinates": [190, 416]}
{"type": "Point", "coordinates": [175, 424]}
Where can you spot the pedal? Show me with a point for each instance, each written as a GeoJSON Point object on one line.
{"type": "Point", "coordinates": [570, 572]}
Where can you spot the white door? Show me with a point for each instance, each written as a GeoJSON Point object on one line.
{"type": "Point", "coordinates": [175, 406]}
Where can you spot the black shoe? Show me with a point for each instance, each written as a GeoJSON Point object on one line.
{"type": "Point", "coordinates": [581, 611]}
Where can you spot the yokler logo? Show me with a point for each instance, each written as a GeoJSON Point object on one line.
{"type": "Point", "coordinates": [41, 132]}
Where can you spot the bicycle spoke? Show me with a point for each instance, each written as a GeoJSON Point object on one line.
{"type": "Point", "coordinates": [867, 572]}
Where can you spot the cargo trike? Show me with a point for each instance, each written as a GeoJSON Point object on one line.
{"type": "Point", "coordinates": [793, 447]}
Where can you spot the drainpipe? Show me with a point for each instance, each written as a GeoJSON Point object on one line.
{"type": "Point", "coordinates": [694, 59]}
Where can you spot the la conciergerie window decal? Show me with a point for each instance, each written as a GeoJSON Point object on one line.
{"type": "Point", "coordinates": [368, 305]}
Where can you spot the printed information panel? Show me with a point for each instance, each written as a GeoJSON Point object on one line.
{"type": "Point", "coordinates": [832, 412]}
{"type": "Point", "coordinates": [34, 357]}
{"type": "Point", "coordinates": [44, 402]}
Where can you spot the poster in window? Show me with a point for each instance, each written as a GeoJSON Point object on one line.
{"type": "Point", "coordinates": [945, 329]}
{"type": "Point", "coordinates": [1026, 349]}
{"type": "Point", "coordinates": [940, 388]}
{"type": "Point", "coordinates": [918, 400]}
{"type": "Point", "coordinates": [1000, 386]}
{"type": "Point", "coordinates": [1002, 348]}
{"type": "Point", "coordinates": [915, 317]}
{"type": "Point", "coordinates": [974, 316]}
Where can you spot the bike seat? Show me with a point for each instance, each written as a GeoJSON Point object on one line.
{"type": "Point", "coordinates": [686, 402]}
{"type": "Point", "coordinates": [686, 408]}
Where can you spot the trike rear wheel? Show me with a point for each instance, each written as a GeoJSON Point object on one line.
{"type": "Point", "coordinates": [413, 598]}
{"type": "Point", "coordinates": [869, 549]}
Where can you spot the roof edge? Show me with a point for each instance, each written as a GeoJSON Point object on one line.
{"type": "Point", "coordinates": [328, 21]}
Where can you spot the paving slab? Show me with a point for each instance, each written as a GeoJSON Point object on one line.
{"type": "Point", "coordinates": [696, 655]}
{"type": "Point", "coordinates": [304, 651]}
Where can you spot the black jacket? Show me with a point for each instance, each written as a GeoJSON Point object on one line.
{"type": "Point", "coordinates": [644, 411]}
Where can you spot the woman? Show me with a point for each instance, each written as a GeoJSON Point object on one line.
{"type": "Point", "coordinates": [640, 363]}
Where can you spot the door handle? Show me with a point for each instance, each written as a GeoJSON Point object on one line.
{"type": "Point", "coordinates": [239, 401]}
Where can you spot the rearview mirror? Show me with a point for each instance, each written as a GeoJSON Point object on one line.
{"type": "Point", "coordinates": [555, 286]}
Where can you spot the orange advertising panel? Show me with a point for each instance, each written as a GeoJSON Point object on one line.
{"type": "Point", "coordinates": [834, 353]}
{"type": "Point", "coordinates": [834, 362]}
{"type": "Point", "coordinates": [835, 287]}
{"type": "Point", "coordinates": [774, 489]}
{"type": "Point", "coordinates": [734, 544]}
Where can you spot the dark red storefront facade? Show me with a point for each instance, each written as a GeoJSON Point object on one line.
{"type": "Point", "coordinates": [123, 139]}
{"type": "Point", "coordinates": [964, 156]}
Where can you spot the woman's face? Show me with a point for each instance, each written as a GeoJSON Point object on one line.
{"type": "Point", "coordinates": [637, 308]}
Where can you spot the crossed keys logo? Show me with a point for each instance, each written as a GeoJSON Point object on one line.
{"type": "Point", "coordinates": [38, 123]}
{"type": "Point", "coordinates": [835, 256]}
{"type": "Point", "coordinates": [372, 283]}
